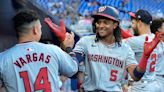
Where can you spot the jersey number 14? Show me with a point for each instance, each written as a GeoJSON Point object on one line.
{"type": "Point", "coordinates": [41, 82]}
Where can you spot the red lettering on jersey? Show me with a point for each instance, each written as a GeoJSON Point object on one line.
{"type": "Point", "coordinates": [121, 64]}
{"type": "Point", "coordinates": [34, 56]}
{"type": "Point", "coordinates": [22, 61]}
{"type": "Point", "coordinates": [28, 58]}
{"type": "Point", "coordinates": [113, 61]}
{"type": "Point", "coordinates": [17, 64]}
{"type": "Point", "coordinates": [106, 59]}
{"type": "Point", "coordinates": [100, 57]}
{"type": "Point", "coordinates": [109, 60]}
{"type": "Point", "coordinates": [41, 58]}
{"type": "Point", "coordinates": [95, 57]}
{"type": "Point", "coordinates": [91, 57]}
{"type": "Point", "coordinates": [48, 59]}
{"type": "Point", "coordinates": [117, 63]}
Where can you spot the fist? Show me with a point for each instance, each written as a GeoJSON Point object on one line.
{"type": "Point", "coordinates": [68, 41]}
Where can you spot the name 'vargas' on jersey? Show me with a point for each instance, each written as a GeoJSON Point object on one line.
{"type": "Point", "coordinates": [34, 57]}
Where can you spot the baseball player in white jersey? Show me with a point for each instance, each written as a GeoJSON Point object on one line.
{"type": "Point", "coordinates": [158, 25]}
{"type": "Point", "coordinates": [30, 66]}
{"type": "Point", "coordinates": [105, 56]}
{"type": "Point", "coordinates": [137, 43]}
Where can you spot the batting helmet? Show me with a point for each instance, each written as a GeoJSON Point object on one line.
{"type": "Point", "coordinates": [107, 12]}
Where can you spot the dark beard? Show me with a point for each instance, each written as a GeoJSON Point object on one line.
{"type": "Point", "coordinates": [136, 33]}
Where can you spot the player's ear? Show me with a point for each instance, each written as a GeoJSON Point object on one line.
{"type": "Point", "coordinates": [34, 29]}
{"type": "Point", "coordinates": [140, 23]}
{"type": "Point", "coordinates": [115, 25]}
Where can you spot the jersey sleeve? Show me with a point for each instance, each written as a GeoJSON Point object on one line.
{"type": "Point", "coordinates": [67, 65]}
{"type": "Point", "coordinates": [80, 46]}
{"type": "Point", "coordinates": [133, 43]}
{"type": "Point", "coordinates": [136, 45]}
{"type": "Point", "coordinates": [130, 60]}
{"type": "Point", "coordinates": [80, 50]}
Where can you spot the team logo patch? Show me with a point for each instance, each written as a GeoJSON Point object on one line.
{"type": "Point", "coordinates": [101, 9]}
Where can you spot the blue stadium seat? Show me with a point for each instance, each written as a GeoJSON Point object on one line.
{"type": "Point", "coordinates": [132, 5]}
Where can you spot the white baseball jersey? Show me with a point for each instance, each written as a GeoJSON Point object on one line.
{"type": "Point", "coordinates": [34, 66]}
{"type": "Point", "coordinates": [104, 64]}
{"type": "Point", "coordinates": [137, 45]}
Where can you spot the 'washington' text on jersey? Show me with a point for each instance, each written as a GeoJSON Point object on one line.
{"type": "Point", "coordinates": [34, 57]}
{"type": "Point", "coordinates": [106, 59]}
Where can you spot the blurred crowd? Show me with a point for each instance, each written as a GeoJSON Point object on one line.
{"type": "Point", "coordinates": [77, 13]}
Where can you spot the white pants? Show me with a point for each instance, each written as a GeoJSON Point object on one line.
{"type": "Point", "coordinates": [144, 86]}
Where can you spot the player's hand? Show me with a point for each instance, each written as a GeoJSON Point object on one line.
{"type": "Point", "coordinates": [149, 46]}
{"type": "Point", "coordinates": [63, 78]}
{"type": "Point", "coordinates": [68, 41]}
{"type": "Point", "coordinates": [125, 88]}
{"type": "Point", "coordinates": [59, 31]}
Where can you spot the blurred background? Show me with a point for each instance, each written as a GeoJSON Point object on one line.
{"type": "Point", "coordinates": [77, 13]}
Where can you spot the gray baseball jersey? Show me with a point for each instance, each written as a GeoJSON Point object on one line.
{"type": "Point", "coordinates": [34, 66]}
{"type": "Point", "coordinates": [137, 44]}
{"type": "Point", "coordinates": [104, 64]}
{"type": "Point", "coordinates": [160, 65]}
{"type": "Point", "coordinates": [160, 57]}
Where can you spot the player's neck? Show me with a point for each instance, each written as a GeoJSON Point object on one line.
{"type": "Point", "coordinates": [108, 40]}
{"type": "Point", "coordinates": [25, 40]}
{"type": "Point", "coordinates": [145, 30]}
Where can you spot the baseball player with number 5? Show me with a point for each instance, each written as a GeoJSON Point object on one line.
{"type": "Point", "coordinates": [105, 55]}
{"type": "Point", "coordinates": [30, 66]}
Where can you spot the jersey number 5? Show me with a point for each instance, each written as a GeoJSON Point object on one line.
{"type": "Point", "coordinates": [41, 82]}
{"type": "Point", "coordinates": [113, 75]}
{"type": "Point", "coordinates": [152, 64]}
